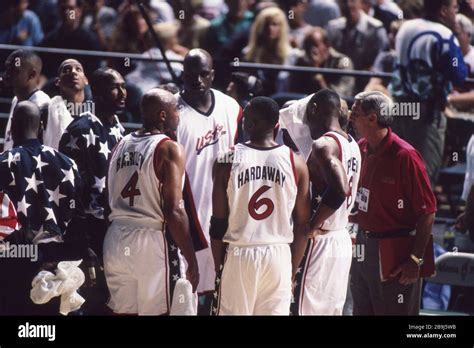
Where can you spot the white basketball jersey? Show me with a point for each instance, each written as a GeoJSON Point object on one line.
{"type": "Point", "coordinates": [135, 192]}
{"type": "Point", "coordinates": [204, 137]}
{"type": "Point", "coordinates": [261, 193]}
{"type": "Point", "coordinates": [351, 161]}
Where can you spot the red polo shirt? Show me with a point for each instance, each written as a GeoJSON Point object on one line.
{"type": "Point", "coordinates": [398, 185]}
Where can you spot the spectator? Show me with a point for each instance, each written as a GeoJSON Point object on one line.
{"type": "Point", "coordinates": [269, 45]}
{"type": "Point", "coordinates": [212, 8]}
{"type": "Point", "coordinates": [358, 36]}
{"type": "Point", "coordinates": [70, 34]}
{"type": "Point", "coordinates": [382, 13]}
{"type": "Point", "coordinates": [385, 62]}
{"type": "Point", "coordinates": [320, 12]}
{"type": "Point", "coordinates": [428, 65]}
{"type": "Point", "coordinates": [101, 20]}
{"type": "Point", "coordinates": [224, 27]}
{"type": "Point", "coordinates": [243, 87]}
{"type": "Point", "coordinates": [462, 97]}
{"type": "Point", "coordinates": [19, 26]}
{"type": "Point", "coordinates": [411, 9]}
{"type": "Point", "coordinates": [163, 10]}
{"type": "Point", "coordinates": [233, 49]}
{"type": "Point", "coordinates": [193, 27]}
{"type": "Point", "coordinates": [295, 10]}
{"type": "Point", "coordinates": [320, 54]}
{"type": "Point", "coordinates": [23, 69]}
{"type": "Point", "coordinates": [466, 7]}
{"type": "Point", "coordinates": [129, 34]}
{"type": "Point", "coordinates": [45, 192]}
{"type": "Point", "coordinates": [390, 6]}
{"type": "Point", "coordinates": [70, 102]}
{"type": "Point", "coordinates": [149, 74]}
{"type": "Point", "coordinates": [464, 31]}
{"type": "Point", "coordinates": [46, 12]}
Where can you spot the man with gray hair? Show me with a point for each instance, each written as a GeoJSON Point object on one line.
{"type": "Point", "coordinates": [395, 214]}
{"type": "Point", "coordinates": [464, 31]}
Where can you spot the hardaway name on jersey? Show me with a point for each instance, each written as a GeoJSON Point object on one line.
{"type": "Point", "coordinates": [261, 193]}
{"type": "Point", "coordinates": [204, 137]}
{"type": "Point", "coordinates": [351, 160]}
{"type": "Point", "coordinates": [135, 191]}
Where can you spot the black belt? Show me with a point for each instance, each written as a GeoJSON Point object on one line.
{"type": "Point", "coordinates": [388, 234]}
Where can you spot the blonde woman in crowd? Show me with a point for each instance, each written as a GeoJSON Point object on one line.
{"type": "Point", "coordinates": [269, 44]}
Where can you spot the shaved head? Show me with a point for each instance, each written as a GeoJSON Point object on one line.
{"type": "Point", "coordinates": [198, 73]}
{"type": "Point", "coordinates": [324, 109]}
{"type": "Point", "coordinates": [198, 55]}
{"type": "Point", "coordinates": [25, 121]}
{"type": "Point", "coordinates": [159, 111]}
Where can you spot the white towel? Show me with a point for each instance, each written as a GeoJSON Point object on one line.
{"type": "Point", "coordinates": [69, 277]}
{"type": "Point", "coordinates": [184, 300]}
{"type": "Point", "coordinates": [292, 118]}
{"type": "Point", "coordinates": [59, 118]}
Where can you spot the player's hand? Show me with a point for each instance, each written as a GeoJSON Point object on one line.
{"type": "Point", "coordinates": [409, 272]}
{"type": "Point", "coordinates": [192, 274]}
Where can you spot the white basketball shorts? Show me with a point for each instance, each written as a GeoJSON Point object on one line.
{"type": "Point", "coordinates": [323, 275]}
{"type": "Point", "coordinates": [254, 280]}
{"type": "Point", "coordinates": [141, 266]}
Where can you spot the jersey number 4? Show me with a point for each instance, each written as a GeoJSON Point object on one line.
{"type": "Point", "coordinates": [130, 190]}
{"type": "Point", "coordinates": [255, 203]}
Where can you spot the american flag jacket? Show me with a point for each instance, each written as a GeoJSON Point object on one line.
{"type": "Point", "coordinates": [89, 142]}
{"type": "Point", "coordinates": [8, 217]}
{"type": "Point", "coordinates": [44, 186]}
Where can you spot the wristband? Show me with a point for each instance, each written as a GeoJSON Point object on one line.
{"type": "Point", "coordinates": [332, 199]}
{"type": "Point", "coordinates": [218, 228]}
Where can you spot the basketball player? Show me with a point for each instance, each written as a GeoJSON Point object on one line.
{"type": "Point", "coordinates": [145, 181]}
{"type": "Point", "coordinates": [334, 167]}
{"type": "Point", "coordinates": [208, 127]}
{"type": "Point", "coordinates": [22, 73]}
{"type": "Point", "coordinates": [254, 197]}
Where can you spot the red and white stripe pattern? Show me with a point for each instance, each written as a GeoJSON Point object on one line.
{"type": "Point", "coordinates": [8, 218]}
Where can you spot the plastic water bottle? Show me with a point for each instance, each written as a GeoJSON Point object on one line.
{"type": "Point", "coordinates": [91, 264]}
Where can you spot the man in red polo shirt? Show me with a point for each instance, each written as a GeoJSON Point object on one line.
{"type": "Point", "coordinates": [395, 200]}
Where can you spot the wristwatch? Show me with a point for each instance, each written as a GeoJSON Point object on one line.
{"type": "Point", "coordinates": [419, 261]}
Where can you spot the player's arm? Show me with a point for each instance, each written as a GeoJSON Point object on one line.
{"type": "Point", "coordinates": [301, 214]}
{"type": "Point", "coordinates": [325, 157]}
{"type": "Point", "coordinates": [172, 169]}
{"type": "Point", "coordinates": [220, 211]}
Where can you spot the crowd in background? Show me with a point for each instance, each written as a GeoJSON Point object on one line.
{"type": "Point", "coordinates": [355, 34]}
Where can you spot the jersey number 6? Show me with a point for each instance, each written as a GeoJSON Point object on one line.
{"type": "Point", "coordinates": [255, 203]}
